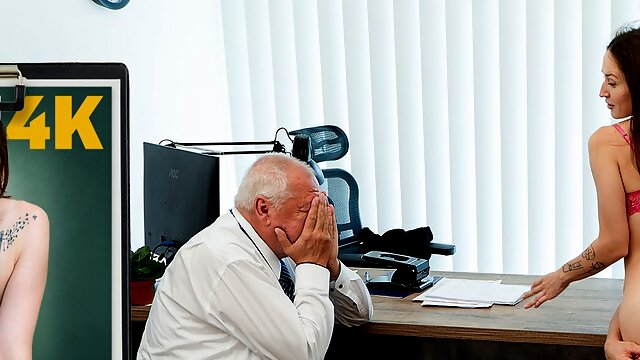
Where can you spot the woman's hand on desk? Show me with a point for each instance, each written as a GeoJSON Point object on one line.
{"type": "Point", "coordinates": [545, 288]}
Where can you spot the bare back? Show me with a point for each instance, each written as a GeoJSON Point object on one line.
{"type": "Point", "coordinates": [24, 247]}
{"type": "Point", "coordinates": [631, 182]}
{"type": "Point", "coordinates": [15, 216]}
{"type": "Point", "coordinates": [630, 307]}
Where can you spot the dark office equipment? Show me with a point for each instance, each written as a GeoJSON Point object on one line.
{"type": "Point", "coordinates": [301, 149]}
{"type": "Point", "coordinates": [181, 187]}
{"type": "Point", "coordinates": [411, 274]}
{"type": "Point", "coordinates": [181, 196]}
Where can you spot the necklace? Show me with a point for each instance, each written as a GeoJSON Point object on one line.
{"type": "Point", "coordinates": [253, 242]}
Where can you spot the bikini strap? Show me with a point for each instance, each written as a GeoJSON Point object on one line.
{"type": "Point", "coordinates": [624, 134]}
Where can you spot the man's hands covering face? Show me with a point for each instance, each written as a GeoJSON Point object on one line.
{"type": "Point", "coordinates": [318, 242]}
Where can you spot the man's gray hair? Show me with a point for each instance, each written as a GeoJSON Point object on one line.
{"type": "Point", "coordinates": [267, 177]}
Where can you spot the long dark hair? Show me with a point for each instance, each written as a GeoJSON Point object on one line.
{"type": "Point", "coordinates": [625, 49]}
{"type": "Point", "coordinates": [4, 162]}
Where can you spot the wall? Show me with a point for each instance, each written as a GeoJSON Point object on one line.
{"type": "Point", "coordinates": [175, 55]}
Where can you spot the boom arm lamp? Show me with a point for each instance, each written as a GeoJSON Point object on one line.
{"type": "Point", "coordinates": [301, 149]}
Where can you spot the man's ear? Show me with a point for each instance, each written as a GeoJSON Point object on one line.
{"type": "Point", "coordinates": [262, 207]}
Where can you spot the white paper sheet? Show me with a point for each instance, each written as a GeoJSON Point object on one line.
{"type": "Point", "coordinates": [456, 303]}
{"type": "Point", "coordinates": [474, 291]}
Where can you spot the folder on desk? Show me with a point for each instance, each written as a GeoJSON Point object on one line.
{"type": "Point", "coordinates": [473, 293]}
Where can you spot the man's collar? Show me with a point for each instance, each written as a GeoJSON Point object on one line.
{"type": "Point", "coordinates": [269, 255]}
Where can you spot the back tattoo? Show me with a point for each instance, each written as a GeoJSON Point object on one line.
{"type": "Point", "coordinates": [8, 236]}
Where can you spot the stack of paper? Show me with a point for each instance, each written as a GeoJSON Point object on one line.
{"type": "Point", "coordinates": [471, 293]}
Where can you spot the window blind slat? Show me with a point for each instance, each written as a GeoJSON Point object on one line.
{"type": "Point", "coordinates": [334, 76]}
{"type": "Point", "coordinates": [513, 110]}
{"type": "Point", "coordinates": [260, 69]}
{"type": "Point", "coordinates": [462, 140]}
{"type": "Point", "coordinates": [540, 136]}
{"type": "Point", "coordinates": [385, 114]}
{"type": "Point", "coordinates": [410, 129]}
{"type": "Point", "coordinates": [283, 54]}
{"type": "Point", "coordinates": [568, 83]}
{"type": "Point", "coordinates": [358, 70]}
{"type": "Point", "coordinates": [486, 71]}
{"type": "Point", "coordinates": [305, 15]}
{"type": "Point", "coordinates": [238, 79]}
{"type": "Point", "coordinates": [433, 50]}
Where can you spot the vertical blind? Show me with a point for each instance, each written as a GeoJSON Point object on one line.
{"type": "Point", "coordinates": [471, 117]}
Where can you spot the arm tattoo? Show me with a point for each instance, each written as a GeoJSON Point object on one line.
{"type": "Point", "coordinates": [572, 266]}
{"type": "Point", "coordinates": [8, 236]}
{"type": "Point", "coordinates": [596, 266]}
{"type": "Point", "coordinates": [589, 253]}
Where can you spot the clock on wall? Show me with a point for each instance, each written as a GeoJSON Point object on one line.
{"type": "Point", "coordinates": [112, 4]}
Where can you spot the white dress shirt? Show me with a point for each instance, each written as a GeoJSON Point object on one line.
{"type": "Point", "coordinates": [220, 299]}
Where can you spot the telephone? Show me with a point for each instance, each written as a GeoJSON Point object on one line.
{"type": "Point", "coordinates": [411, 274]}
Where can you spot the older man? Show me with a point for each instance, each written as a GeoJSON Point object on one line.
{"type": "Point", "coordinates": [263, 281]}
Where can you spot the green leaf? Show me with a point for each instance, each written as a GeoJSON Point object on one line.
{"type": "Point", "coordinates": [143, 267]}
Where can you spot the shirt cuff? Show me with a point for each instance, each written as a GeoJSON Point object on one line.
{"type": "Point", "coordinates": [312, 277]}
{"type": "Point", "coordinates": [344, 278]}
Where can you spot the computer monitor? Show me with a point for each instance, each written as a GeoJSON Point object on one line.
{"type": "Point", "coordinates": [181, 194]}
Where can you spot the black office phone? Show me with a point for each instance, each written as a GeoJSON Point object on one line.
{"type": "Point", "coordinates": [411, 274]}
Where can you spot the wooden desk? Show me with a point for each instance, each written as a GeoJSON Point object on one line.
{"type": "Point", "coordinates": [579, 316]}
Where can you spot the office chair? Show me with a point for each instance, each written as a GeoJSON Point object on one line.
{"type": "Point", "coordinates": [329, 142]}
{"type": "Point", "coordinates": [355, 241]}
{"type": "Point", "coordinates": [342, 189]}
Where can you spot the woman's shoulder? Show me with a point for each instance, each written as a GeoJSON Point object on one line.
{"type": "Point", "coordinates": [18, 214]}
{"type": "Point", "coordinates": [23, 220]}
{"type": "Point", "coordinates": [607, 135]}
{"type": "Point", "coordinates": [10, 206]}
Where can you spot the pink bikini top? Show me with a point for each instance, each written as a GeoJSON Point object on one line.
{"type": "Point", "coordinates": [633, 198]}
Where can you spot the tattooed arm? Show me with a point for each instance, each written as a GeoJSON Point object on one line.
{"type": "Point", "coordinates": [612, 243]}
{"type": "Point", "coordinates": [21, 300]}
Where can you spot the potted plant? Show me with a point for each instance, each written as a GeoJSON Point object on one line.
{"type": "Point", "coordinates": [144, 271]}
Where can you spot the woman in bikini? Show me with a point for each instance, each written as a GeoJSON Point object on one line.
{"type": "Point", "coordinates": [24, 251]}
{"type": "Point", "coordinates": [614, 156]}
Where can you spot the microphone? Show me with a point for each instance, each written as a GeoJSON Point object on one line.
{"type": "Point", "coordinates": [301, 150]}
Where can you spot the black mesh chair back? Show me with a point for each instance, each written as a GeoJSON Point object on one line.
{"type": "Point", "coordinates": [328, 142]}
{"type": "Point", "coordinates": [343, 192]}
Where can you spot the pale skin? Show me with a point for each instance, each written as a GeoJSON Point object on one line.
{"type": "Point", "coordinates": [614, 174]}
{"type": "Point", "coordinates": [304, 228]}
{"type": "Point", "coordinates": [24, 253]}
{"type": "Point", "coordinates": [615, 348]}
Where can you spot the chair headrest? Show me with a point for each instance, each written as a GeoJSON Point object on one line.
{"type": "Point", "coordinates": [328, 142]}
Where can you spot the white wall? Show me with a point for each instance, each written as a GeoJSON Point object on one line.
{"type": "Point", "coordinates": [175, 54]}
